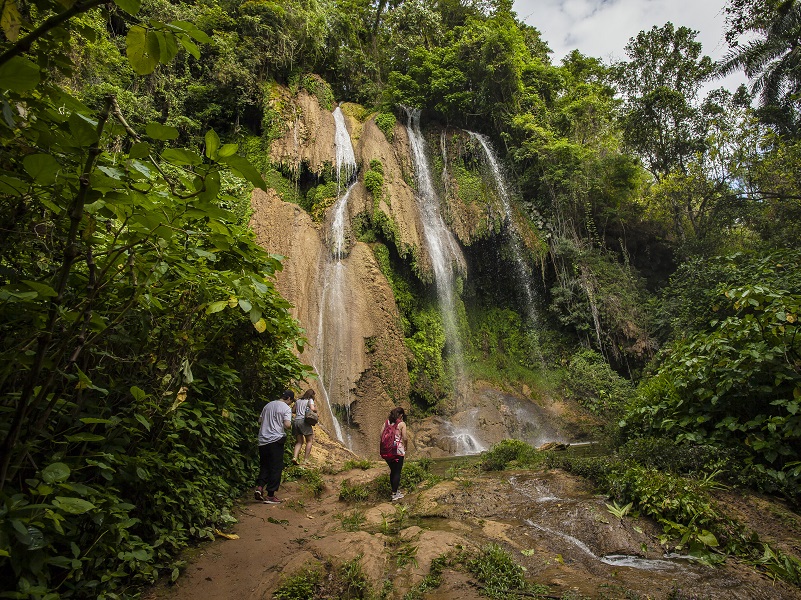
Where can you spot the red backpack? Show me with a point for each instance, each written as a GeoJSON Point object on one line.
{"type": "Point", "coordinates": [389, 441]}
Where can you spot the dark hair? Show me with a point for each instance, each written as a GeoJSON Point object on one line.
{"type": "Point", "coordinates": [288, 394]}
{"type": "Point", "coordinates": [395, 413]}
{"type": "Point", "coordinates": [308, 394]}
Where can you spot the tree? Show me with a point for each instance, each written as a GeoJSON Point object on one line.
{"type": "Point", "coordinates": [661, 120]}
{"type": "Point", "coordinates": [772, 61]}
{"type": "Point", "coordinates": [131, 301]}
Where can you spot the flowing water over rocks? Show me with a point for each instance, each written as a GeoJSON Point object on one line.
{"type": "Point", "coordinates": [549, 522]}
{"type": "Point", "coordinates": [446, 256]}
{"type": "Point", "coordinates": [333, 337]}
{"type": "Point", "coordinates": [524, 275]}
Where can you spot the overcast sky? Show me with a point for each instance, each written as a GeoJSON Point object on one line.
{"type": "Point", "coordinates": [602, 28]}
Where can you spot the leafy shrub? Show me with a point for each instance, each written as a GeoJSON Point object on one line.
{"type": "Point", "coordinates": [665, 454]}
{"type": "Point", "coordinates": [312, 480]}
{"type": "Point", "coordinates": [498, 335]}
{"type": "Point", "coordinates": [352, 521]}
{"type": "Point", "coordinates": [302, 585]}
{"type": "Point", "coordinates": [377, 166]}
{"type": "Point", "coordinates": [680, 504]}
{"type": "Point", "coordinates": [386, 123]}
{"type": "Point", "coordinates": [319, 198]}
{"type": "Point", "coordinates": [374, 182]}
{"type": "Point", "coordinates": [737, 385]}
{"type": "Point", "coordinates": [344, 581]}
{"type": "Point", "coordinates": [317, 87]}
{"type": "Point", "coordinates": [427, 375]}
{"type": "Point", "coordinates": [692, 299]}
{"type": "Point", "coordinates": [596, 386]}
{"type": "Point", "coordinates": [501, 454]}
{"type": "Point", "coordinates": [414, 473]}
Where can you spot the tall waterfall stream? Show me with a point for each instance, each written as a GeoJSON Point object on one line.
{"type": "Point", "coordinates": [523, 274]}
{"type": "Point", "coordinates": [333, 334]}
{"type": "Point", "coordinates": [446, 261]}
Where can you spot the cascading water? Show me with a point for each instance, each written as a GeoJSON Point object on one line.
{"type": "Point", "coordinates": [345, 157]}
{"type": "Point", "coordinates": [524, 275]}
{"type": "Point", "coordinates": [446, 259]}
{"type": "Point", "coordinates": [442, 247]}
{"type": "Point", "coordinates": [333, 337]}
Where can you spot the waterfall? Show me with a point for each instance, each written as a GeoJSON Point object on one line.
{"type": "Point", "coordinates": [345, 157]}
{"type": "Point", "coordinates": [446, 260]}
{"type": "Point", "coordinates": [333, 333]}
{"type": "Point", "coordinates": [442, 248]}
{"type": "Point", "coordinates": [523, 273]}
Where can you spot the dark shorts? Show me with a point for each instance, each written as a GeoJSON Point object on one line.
{"type": "Point", "coordinates": [299, 427]}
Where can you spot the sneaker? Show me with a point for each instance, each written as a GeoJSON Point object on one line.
{"type": "Point", "coordinates": [259, 496]}
{"type": "Point", "coordinates": [397, 496]}
{"type": "Point", "coordinates": [272, 500]}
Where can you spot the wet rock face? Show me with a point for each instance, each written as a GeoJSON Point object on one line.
{"type": "Point", "coordinates": [358, 349]}
{"type": "Point", "coordinates": [492, 416]}
{"type": "Point", "coordinates": [362, 355]}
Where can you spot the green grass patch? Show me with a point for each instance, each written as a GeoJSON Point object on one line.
{"type": "Point", "coordinates": [327, 581]}
{"type": "Point", "coordinates": [500, 576]}
{"type": "Point", "coordinates": [361, 463]}
{"type": "Point", "coordinates": [353, 492]}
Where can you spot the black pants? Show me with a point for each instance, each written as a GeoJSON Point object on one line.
{"type": "Point", "coordinates": [395, 466]}
{"type": "Point", "coordinates": [271, 463]}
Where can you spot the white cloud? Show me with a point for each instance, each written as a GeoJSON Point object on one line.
{"type": "Point", "coordinates": [602, 28]}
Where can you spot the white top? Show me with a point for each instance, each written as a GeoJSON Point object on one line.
{"type": "Point", "coordinates": [271, 422]}
{"type": "Point", "coordinates": [301, 406]}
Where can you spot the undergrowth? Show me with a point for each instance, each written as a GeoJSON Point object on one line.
{"type": "Point", "coordinates": [346, 580]}
{"type": "Point", "coordinates": [683, 505]}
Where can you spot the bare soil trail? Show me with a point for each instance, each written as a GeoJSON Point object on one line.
{"type": "Point", "coordinates": [551, 523]}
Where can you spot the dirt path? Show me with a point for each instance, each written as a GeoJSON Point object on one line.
{"type": "Point", "coordinates": [549, 522]}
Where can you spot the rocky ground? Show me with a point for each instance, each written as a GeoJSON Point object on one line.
{"type": "Point", "coordinates": [549, 522]}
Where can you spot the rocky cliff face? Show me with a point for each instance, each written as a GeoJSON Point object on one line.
{"type": "Point", "coordinates": [346, 306]}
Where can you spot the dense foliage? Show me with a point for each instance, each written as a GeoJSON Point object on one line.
{"type": "Point", "coordinates": [139, 322]}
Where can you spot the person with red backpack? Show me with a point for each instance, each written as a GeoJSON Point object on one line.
{"type": "Point", "coordinates": [393, 448]}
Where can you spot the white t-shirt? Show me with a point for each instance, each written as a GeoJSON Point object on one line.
{"type": "Point", "coordinates": [301, 406]}
{"type": "Point", "coordinates": [271, 421]}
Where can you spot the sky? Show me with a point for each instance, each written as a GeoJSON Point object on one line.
{"type": "Point", "coordinates": [602, 28]}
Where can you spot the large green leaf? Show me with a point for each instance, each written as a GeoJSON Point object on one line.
{"type": "Point", "coordinates": [42, 167]}
{"type": "Point", "coordinates": [143, 50]}
{"type": "Point", "coordinates": [192, 30]}
{"type": "Point", "coordinates": [85, 437]}
{"type": "Point", "coordinates": [212, 144]}
{"type": "Point", "coordinates": [157, 131]}
{"type": "Point", "coordinates": [55, 473]}
{"type": "Point", "coordinates": [244, 168]}
{"type": "Point", "coordinates": [19, 75]}
{"type": "Point", "coordinates": [12, 186]}
{"type": "Point", "coordinates": [179, 156]}
{"type": "Point", "coordinates": [42, 289]}
{"type": "Point", "coordinates": [141, 149]}
{"type": "Point", "coordinates": [130, 6]}
{"type": "Point", "coordinates": [75, 506]}
{"type": "Point", "coordinates": [189, 45]}
{"type": "Point", "coordinates": [228, 150]}
{"type": "Point", "coordinates": [168, 46]}
{"type": "Point", "coordinates": [83, 129]}
{"type": "Point", "coordinates": [216, 307]}
{"type": "Point", "coordinates": [10, 19]}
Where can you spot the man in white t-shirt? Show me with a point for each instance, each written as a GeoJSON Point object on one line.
{"type": "Point", "coordinates": [276, 417]}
